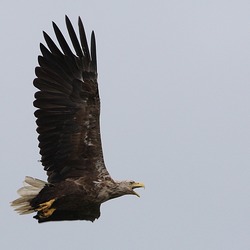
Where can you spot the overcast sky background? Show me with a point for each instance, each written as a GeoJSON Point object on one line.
{"type": "Point", "coordinates": [174, 79]}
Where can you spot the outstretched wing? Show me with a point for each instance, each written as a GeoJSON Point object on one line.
{"type": "Point", "coordinates": [68, 107]}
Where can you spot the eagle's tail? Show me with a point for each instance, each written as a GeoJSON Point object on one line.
{"type": "Point", "coordinates": [31, 188]}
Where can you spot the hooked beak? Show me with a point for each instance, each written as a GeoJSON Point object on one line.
{"type": "Point", "coordinates": [137, 185]}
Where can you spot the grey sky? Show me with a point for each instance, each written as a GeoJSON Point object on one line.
{"type": "Point", "coordinates": [174, 79]}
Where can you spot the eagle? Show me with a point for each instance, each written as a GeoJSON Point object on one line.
{"type": "Point", "coordinates": [68, 123]}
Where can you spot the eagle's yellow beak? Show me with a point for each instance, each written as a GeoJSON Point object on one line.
{"type": "Point", "coordinates": [137, 185]}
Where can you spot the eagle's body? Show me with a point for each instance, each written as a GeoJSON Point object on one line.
{"type": "Point", "coordinates": [68, 111]}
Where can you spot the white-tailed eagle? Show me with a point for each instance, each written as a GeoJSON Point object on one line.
{"type": "Point", "coordinates": [68, 111]}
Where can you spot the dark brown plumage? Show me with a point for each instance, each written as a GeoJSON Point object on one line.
{"type": "Point", "coordinates": [68, 111]}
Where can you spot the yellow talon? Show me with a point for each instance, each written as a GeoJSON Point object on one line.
{"type": "Point", "coordinates": [45, 209]}
{"type": "Point", "coordinates": [45, 205]}
{"type": "Point", "coordinates": [47, 213]}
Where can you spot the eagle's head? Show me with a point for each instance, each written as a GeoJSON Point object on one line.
{"type": "Point", "coordinates": [126, 187]}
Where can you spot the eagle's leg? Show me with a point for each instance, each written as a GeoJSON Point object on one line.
{"type": "Point", "coordinates": [45, 210]}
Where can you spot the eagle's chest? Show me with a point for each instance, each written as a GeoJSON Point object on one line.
{"type": "Point", "coordinates": [102, 190]}
{"type": "Point", "coordinates": [93, 191]}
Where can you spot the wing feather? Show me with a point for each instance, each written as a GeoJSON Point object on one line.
{"type": "Point", "coordinates": [65, 47]}
{"type": "Point", "coordinates": [52, 46]}
{"type": "Point", "coordinates": [73, 38]}
{"type": "Point", "coordinates": [93, 51]}
{"type": "Point", "coordinates": [83, 40]}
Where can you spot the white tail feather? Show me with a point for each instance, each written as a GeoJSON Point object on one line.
{"type": "Point", "coordinates": [31, 188]}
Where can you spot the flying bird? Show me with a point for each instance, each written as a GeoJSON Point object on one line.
{"type": "Point", "coordinates": [68, 111]}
